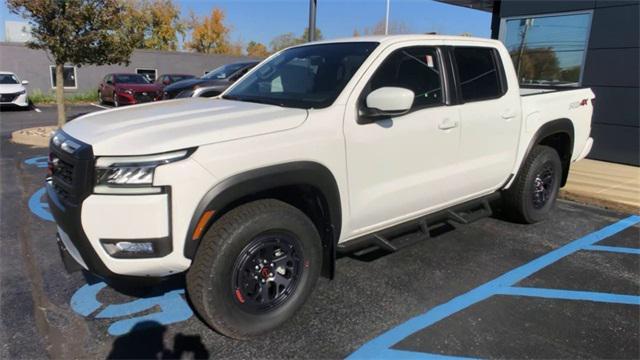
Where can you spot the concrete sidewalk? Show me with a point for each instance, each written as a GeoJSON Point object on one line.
{"type": "Point", "coordinates": [605, 184]}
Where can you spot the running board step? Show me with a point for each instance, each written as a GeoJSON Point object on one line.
{"type": "Point", "coordinates": [400, 242]}
{"type": "Point", "coordinates": [483, 210]}
{"type": "Point", "coordinates": [412, 232]}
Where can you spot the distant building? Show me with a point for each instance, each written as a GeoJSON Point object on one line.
{"type": "Point", "coordinates": [17, 31]}
{"type": "Point", "coordinates": [36, 67]}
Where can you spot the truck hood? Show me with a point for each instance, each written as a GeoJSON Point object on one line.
{"type": "Point", "coordinates": [178, 124]}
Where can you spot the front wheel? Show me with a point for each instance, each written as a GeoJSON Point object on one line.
{"type": "Point", "coordinates": [255, 268]}
{"type": "Point", "coordinates": [534, 191]}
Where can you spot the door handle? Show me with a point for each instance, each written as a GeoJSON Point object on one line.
{"type": "Point", "coordinates": [447, 124]}
{"type": "Point", "coordinates": [508, 115]}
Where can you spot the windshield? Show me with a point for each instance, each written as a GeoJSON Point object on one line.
{"type": "Point", "coordinates": [131, 79]}
{"type": "Point", "coordinates": [305, 77]}
{"type": "Point", "coordinates": [8, 79]}
{"type": "Point", "coordinates": [224, 71]}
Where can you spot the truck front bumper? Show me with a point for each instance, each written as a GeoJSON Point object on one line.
{"type": "Point", "coordinates": [87, 230]}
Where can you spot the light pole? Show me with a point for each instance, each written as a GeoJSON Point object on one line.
{"type": "Point", "coordinates": [311, 36]}
{"type": "Point", "coordinates": [386, 20]}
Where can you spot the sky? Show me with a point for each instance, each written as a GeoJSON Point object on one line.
{"type": "Point", "coordinates": [263, 20]}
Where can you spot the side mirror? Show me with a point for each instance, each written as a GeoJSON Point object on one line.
{"type": "Point", "coordinates": [166, 81]}
{"type": "Point", "coordinates": [386, 102]}
{"type": "Point", "coordinates": [25, 82]}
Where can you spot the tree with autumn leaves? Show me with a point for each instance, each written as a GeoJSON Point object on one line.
{"type": "Point", "coordinates": [79, 32]}
{"type": "Point", "coordinates": [256, 49]}
{"type": "Point", "coordinates": [209, 35]}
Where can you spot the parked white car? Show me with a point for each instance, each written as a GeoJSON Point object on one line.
{"type": "Point", "coordinates": [12, 90]}
{"type": "Point", "coordinates": [323, 147]}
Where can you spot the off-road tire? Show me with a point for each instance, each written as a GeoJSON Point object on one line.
{"type": "Point", "coordinates": [209, 280]}
{"type": "Point", "coordinates": [518, 200]}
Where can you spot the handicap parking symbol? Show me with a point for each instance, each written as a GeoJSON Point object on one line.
{"type": "Point", "coordinates": [172, 306]}
{"type": "Point", "coordinates": [37, 202]}
{"type": "Point", "coordinates": [39, 161]}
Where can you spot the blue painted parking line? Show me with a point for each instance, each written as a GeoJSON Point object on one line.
{"type": "Point", "coordinates": [380, 347]}
{"type": "Point", "coordinates": [615, 249]}
{"type": "Point", "coordinates": [570, 295]}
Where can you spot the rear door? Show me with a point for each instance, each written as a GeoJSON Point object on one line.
{"type": "Point", "coordinates": [400, 166]}
{"type": "Point", "coordinates": [490, 118]}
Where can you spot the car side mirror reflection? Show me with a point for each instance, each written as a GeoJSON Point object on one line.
{"type": "Point", "coordinates": [386, 102]}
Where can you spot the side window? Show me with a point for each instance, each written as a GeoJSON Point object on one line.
{"type": "Point", "coordinates": [477, 73]}
{"type": "Point", "coordinates": [415, 68]}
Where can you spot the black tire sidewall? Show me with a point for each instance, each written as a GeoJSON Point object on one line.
{"type": "Point", "coordinates": [546, 156]}
{"type": "Point", "coordinates": [222, 311]}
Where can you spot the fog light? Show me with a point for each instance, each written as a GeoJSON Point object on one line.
{"type": "Point", "coordinates": [128, 248]}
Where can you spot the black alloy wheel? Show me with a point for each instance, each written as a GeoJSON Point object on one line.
{"type": "Point", "coordinates": [543, 186]}
{"type": "Point", "coordinates": [534, 190]}
{"type": "Point", "coordinates": [254, 268]}
{"type": "Point", "coordinates": [267, 271]}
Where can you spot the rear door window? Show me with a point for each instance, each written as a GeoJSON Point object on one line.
{"type": "Point", "coordinates": [478, 73]}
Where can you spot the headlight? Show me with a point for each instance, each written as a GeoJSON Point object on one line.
{"type": "Point", "coordinates": [67, 145]}
{"type": "Point", "coordinates": [128, 91]}
{"type": "Point", "coordinates": [132, 174]}
{"type": "Point", "coordinates": [22, 92]}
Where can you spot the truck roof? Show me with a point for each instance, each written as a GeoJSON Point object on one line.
{"type": "Point", "coordinates": [391, 39]}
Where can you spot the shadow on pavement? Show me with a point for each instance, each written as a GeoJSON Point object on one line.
{"type": "Point", "coordinates": [146, 341]}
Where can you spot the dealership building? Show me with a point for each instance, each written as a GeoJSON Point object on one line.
{"type": "Point", "coordinates": [590, 43]}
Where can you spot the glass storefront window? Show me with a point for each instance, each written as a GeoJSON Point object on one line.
{"type": "Point", "coordinates": [548, 50]}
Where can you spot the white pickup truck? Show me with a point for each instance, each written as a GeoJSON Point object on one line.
{"type": "Point", "coordinates": [323, 147]}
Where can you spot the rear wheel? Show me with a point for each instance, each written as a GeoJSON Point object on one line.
{"type": "Point", "coordinates": [254, 268]}
{"type": "Point", "coordinates": [534, 191]}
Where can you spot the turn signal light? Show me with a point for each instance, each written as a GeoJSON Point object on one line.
{"type": "Point", "coordinates": [204, 220]}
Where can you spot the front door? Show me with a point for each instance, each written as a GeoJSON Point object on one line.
{"type": "Point", "coordinates": [401, 166]}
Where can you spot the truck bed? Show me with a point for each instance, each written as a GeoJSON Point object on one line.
{"type": "Point", "coordinates": [527, 90]}
{"type": "Point", "coordinates": [543, 104]}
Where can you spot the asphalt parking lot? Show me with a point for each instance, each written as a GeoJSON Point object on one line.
{"type": "Point", "coordinates": [568, 287]}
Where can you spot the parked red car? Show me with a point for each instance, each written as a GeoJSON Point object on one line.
{"type": "Point", "coordinates": [128, 89]}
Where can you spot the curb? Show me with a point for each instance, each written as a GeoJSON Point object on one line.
{"type": "Point", "coordinates": [37, 136]}
{"type": "Point", "coordinates": [599, 202]}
